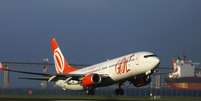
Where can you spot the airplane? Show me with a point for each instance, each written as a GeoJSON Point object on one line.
{"type": "Point", "coordinates": [134, 67]}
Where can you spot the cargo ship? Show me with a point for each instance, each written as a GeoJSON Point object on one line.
{"type": "Point", "coordinates": [184, 75]}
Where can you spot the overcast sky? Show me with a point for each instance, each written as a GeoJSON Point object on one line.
{"type": "Point", "coordinates": [91, 31]}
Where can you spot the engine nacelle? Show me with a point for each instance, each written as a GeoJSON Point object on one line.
{"type": "Point", "coordinates": [141, 80]}
{"type": "Point", "coordinates": [90, 80]}
{"type": "Point", "coordinates": [71, 85]}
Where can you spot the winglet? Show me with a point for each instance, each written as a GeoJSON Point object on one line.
{"type": "Point", "coordinates": [1, 67]}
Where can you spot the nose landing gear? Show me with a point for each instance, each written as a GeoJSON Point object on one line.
{"type": "Point", "coordinates": [119, 90]}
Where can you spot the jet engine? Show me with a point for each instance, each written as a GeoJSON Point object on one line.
{"type": "Point", "coordinates": [90, 80]}
{"type": "Point", "coordinates": [140, 80]}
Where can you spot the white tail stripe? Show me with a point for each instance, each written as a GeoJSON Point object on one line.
{"type": "Point", "coordinates": [59, 60]}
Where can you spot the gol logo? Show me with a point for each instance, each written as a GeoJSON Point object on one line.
{"type": "Point", "coordinates": [59, 61]}
{"type": "Point", "coordinates": [121, 66]}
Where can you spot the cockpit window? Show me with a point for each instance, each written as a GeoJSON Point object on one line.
{"type": "Point", "coordinates": [146, 56]}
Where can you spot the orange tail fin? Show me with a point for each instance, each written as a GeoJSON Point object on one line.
{"type": "Point", "coordinates": [61, 64]}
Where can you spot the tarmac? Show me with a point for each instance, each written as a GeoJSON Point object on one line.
{"type": "Point", "coordinates": [99, 98]}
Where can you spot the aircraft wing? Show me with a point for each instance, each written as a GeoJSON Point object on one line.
{"type": "Point", "coordinates": [54, 77]}
{"type": "Point", "coordinates": [24, 72]}
{"type": "Point", "coordinates": [44, 76]}
{"type": "Point", "coordinates": [48, 77]}
{"type": "Point", "coordinates": [35, 78]}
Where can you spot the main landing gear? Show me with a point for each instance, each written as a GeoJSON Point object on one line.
{"type": "Point", "coordinates": [90, 91]}
{"type": "Point", "coordinates": [119, 90]}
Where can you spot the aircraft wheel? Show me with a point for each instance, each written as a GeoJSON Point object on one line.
{"type": "Point", "coordinates": [90, 91]}
{"type": "Point", "coordinates": [119, 91]}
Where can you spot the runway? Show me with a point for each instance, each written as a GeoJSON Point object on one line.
{"type": "Point", "coordinates": [98, 98]}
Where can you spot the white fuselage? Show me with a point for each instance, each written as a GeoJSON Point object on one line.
{"type": "Point", "coordinates": [117, 69]}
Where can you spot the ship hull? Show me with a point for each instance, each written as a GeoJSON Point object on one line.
{"type": "Point", "coordinates": [188, 83]}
